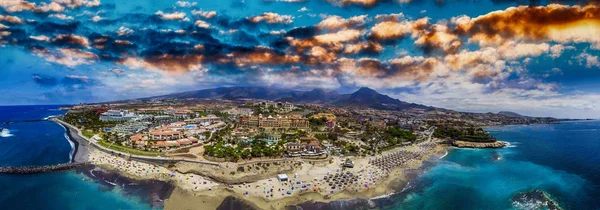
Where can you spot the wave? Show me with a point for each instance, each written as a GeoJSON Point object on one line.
{"type": "Point", "coordinates": [5, 133]}
{"type": "Point", "coordinates": [113, 184]}
{"type": "Point", "coordinates": [443, 156]}
{"type": "Point", "coordinates": [70, 143]}
{"type": "Point", "coordinates": [382, 196]}
{"type": "Point", "coordinates": [46, 118]}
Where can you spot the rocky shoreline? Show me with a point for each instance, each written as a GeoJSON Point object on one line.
{"type": "Point", "coordinates": [155, 192]}
{"type": "Point", "coordinates": [468, 144]}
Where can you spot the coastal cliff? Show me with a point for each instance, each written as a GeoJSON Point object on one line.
{"type": "Point", "coordinates": [468, 144]}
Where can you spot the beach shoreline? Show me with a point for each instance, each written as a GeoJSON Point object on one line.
{"type": "Point", "coordinates": [81, 148]}
{"type": "Point", "coordinates": [193, 188]}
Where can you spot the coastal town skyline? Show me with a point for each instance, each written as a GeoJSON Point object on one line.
{"type": "Point", "coordinates": [488, 56]}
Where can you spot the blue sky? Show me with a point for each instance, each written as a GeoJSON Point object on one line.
{"type": "Point", "coordinates": [534, 58]}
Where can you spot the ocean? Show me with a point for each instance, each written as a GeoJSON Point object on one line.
{"type": "Point", "coordinates": [557, 162]}
{"type": "Point", "coordinates": [30, 141]}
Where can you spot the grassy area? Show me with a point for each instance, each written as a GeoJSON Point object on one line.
{"type": "Point", "coordinates": [125, 149]}
{"type": "Point", "coordinates": [87, 133]}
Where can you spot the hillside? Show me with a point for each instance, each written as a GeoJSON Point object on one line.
{"type": "Point", "coordinates": [362, 98]}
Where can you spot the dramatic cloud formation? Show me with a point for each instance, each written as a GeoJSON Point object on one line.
{"type": "Point", "coordinates": [405, 48]}
{"type": "Point", "coordinates": [554, 22]}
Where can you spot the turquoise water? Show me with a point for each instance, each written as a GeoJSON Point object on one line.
{"type": "Point", "coordinates": [43, 143]}
{"type": "Point", "coordinates": [561, 159]}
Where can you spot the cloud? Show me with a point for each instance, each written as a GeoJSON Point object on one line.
{"type": "Point", "coordinates": [170, 16]}
{"type": "Point", "coordinates": [21, 5]}
{"type": "Point", "coordinates": [271, 17]}
{"type": "Point", "coordinates": [52, 7]}
{"type": "Point", "coordinates": [366, 3]}
{"type": "Point", "coordinates": [324, 79]}
{"type": "Point", "coordinates": [11, 19]}
{"type": "Point", "coordinates": [123, 31]}
{"type": "Point", "coordinates": [79, 78]}
{"type": "Point", "coordinates": [61, 16]}
{"type": "Point", "coordinates": [589, 60]}
{"type": "Point", "coordinates": [560, 23]}
{"type": "Point", "coordinates": [45, 81]}
{"type": "Point", "coordinates": [168, 63]}
{"type": "Point", "coordinates": [71, 39]}
{"type": "Point", "coordinates": [96, 18]}
{"type": "Point", "coordinates": [336, 22]}
{"type": "Point", "coordinates": [391, 30]}
{"type": "Point", "coordinates": [202, 24]}
{"type": "Point", "coordinates": [440, 37]}
{"type": "Point", "coordinates": [78, 3]}
{"type": "Point", "coordinates": [205, 14]}
{"type": "Point", "coordinates": [40, 38]}
{"type": "Point", "coordinates": [186, 3]}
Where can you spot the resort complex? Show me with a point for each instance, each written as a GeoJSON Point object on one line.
{"type": "Point", "coordinates": [268, 150]}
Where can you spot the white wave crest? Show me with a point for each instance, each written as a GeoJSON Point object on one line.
{"type": "Point", "coordinates": [5, 133]}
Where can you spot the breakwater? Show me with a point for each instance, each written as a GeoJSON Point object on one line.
{"type": "Point", "coordinates": [39, 169]}
{"type": "Point", "coordinates": [19, 121]}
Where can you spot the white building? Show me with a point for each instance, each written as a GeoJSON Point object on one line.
{"type": "Point", "coordinates": [130, 128]}
{"type": "Point", "coordinates": [117, 115]}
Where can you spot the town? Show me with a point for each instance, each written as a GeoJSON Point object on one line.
{"type": "Point", "coordinates": [234, 130]}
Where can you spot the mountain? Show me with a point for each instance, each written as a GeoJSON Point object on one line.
{"type": "Point", "coordinates": [232, 93]}
{"type": "Point", "coordinates": [511, 114]}
{"type": "Point", "coordinates": [368, 98]}
{"type": "Point", "coordinates": [363, 98]}
{"type": "Point", "coordinates": [318, 95]}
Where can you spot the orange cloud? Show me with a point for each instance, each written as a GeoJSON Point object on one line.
{"type": "Point", "coordinates": [336, 22]}
{"type": "Point", "coordinates": [11, 19]}
{"type": "Point", "coordinates": [553, 22]}
{"type": "Point", "coordinates": [389, 30]}
{"type": "Point", "coordinates": [168, 63]}
{"type": "Point", "coordinates": [72, 40]}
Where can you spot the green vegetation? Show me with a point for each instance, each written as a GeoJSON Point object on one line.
{"type": "Point", "coordinates": [463, 134]}
{"type": "Point", "coordinates": [394, 135]}
{"type": "Point", "coordinates": [87, 133]}
{"type": "Point", "coordinates": [88, 119]}
{"type": "Point", "coordinates": [317, 122]}
{"type": "Point", "coordinates": [256, 148]}
{"type": "Point", "coordinates": [125, 149]}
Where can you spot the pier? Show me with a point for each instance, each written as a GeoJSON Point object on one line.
{"type": "Point", "coordinates": [39, 169]}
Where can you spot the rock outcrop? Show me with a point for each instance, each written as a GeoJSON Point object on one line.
{"type": "Point", "coordinates": [469, 144]}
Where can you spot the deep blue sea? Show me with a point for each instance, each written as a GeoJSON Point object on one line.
{"type": "Point", "coordinates": [44, 143]}
{"type": "Point", "coordinates": [562, 160]}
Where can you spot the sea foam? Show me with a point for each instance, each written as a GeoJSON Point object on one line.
{"type": "Point", "coordinates": [5, 133]}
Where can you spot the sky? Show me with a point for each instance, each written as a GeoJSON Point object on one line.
{"type": "Point", "coordinates": [536, 58]}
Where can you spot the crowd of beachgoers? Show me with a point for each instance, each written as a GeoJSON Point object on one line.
{"type": "Point", "coordinates": [326, 179]}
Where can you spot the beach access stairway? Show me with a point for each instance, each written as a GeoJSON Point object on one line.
{"type": "Point", "coordinates": [39, 169]}
{"type": "Point", "coordinates": [131, 156]}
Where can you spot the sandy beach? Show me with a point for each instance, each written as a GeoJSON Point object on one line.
{"type": "Point", "coordinates": [323, 181]}
{"type": "Point", "coordinates": [254, 184]}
